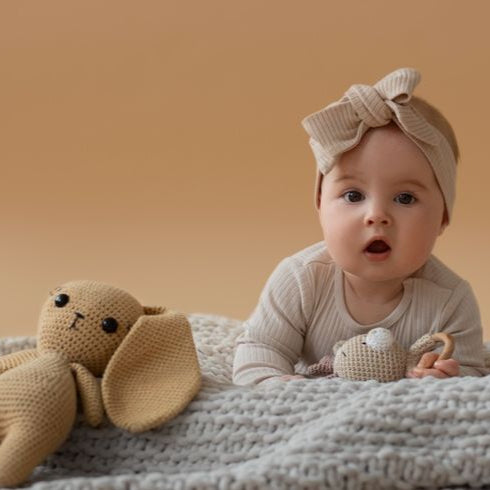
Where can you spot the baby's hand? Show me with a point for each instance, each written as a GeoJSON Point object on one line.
{"type": "Point", "coordinates": [429, 366]}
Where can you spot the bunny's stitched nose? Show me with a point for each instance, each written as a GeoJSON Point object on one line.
{"type": "Point", "coordinates": [78, 316]}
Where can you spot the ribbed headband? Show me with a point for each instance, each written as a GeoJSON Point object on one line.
{"type": "Point", "coordinates": [341, 125]}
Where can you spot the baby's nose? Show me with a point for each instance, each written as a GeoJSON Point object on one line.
{"type": "Point", "coordinates": [372, 220]}
{"type": "Point", "coordinates": [377, 216]}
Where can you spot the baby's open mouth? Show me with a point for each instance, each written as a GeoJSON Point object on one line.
{"type": "Point", "coordinates": [377, 247]}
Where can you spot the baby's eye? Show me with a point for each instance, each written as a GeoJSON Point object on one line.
{"type": "Point", "coordinates": [353, 196]}
{"type": "Point", "coordinates": [405, 198]}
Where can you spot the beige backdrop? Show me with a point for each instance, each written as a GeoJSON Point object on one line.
{"type": "Point", "coordinates": [157, 145]}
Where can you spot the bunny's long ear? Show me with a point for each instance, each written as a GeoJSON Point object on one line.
{"type": "Point", "coordinates": [153, 374]}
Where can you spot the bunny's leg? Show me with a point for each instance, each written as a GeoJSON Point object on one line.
{"type": "Point", "coordinates": [19, 456]}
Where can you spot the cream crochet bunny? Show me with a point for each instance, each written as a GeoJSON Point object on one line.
{"type": "Point", "coordinates": [145, 357]}
{"type": "Point", "coordinates": [376, 355]}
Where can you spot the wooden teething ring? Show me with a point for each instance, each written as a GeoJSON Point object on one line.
{"type": "Point", "coordinates": [448, 341]}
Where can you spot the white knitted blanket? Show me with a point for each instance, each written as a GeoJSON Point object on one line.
{"type": "Point", "coordinates": [311, 434]}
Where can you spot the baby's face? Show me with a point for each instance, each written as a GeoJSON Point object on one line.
{"type": "Point", "coordinates": [385, 188]}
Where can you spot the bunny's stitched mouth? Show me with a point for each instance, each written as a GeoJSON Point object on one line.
{"type": "Point", "coordinates": [78, 316]}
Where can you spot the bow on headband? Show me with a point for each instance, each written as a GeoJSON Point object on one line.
{"type": "Point", "coordinates": [341, 125]}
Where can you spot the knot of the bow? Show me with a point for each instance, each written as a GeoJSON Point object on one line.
{"type": "Point", "coordinates": [340, 126]}
{"type": "Point", "coordinates": [369, 105]}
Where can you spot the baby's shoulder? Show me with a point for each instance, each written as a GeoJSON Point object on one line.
{"type": "Point", "coordinates": [435, 283]}
{"type": "Point", "coordinates": [313, 257]}
{"type": "Point", "coordinates": [439, 274]}
{"type": "Point", "coordinates": [306, 268]}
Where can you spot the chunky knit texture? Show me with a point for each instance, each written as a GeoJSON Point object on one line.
{"type": "Point", "coordinates": [309, 434]}
{"type": "Point", "coordinates": [341, 125]}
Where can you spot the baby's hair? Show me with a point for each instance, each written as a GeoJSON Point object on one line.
{"type": "Point", "coordinates": [435, 117]}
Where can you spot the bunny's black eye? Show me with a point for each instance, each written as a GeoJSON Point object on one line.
{"type": "Point", "coordinates": [61, 300]}
{"type": "Point", "coordinates": [109, 325]}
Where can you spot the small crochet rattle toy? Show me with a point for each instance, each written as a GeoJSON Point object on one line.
{"type": "Point", "coordinates": [144, 356]}
{"type": "Point", "coordinates": [377, 356]}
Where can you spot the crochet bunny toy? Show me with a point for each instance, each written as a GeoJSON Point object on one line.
{"type": "Point", "coordinates": [145, 357]}
{"type": "Point", "coordinates": [376, 355]}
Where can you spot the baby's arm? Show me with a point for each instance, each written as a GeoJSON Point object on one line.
{"type": "Point", "coordinates": [461, 319]}
{"type": "Point", "coordinates": [274, 336]}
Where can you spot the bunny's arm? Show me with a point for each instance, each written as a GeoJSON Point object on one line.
{"type": "Point", "coordinates": [16, 359]}
{"type": "Point", "coordinates": [90, 394]}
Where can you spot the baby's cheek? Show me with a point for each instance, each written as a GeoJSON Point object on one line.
{"type": "Point", "coordinates": [416, 245]}
{"type": "Point", "coordinates": [335, 226]}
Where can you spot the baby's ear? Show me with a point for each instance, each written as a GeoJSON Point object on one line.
{"type": "Point", "coordinates": [338, 345]}
{"type": "Point", "coordinates": [318, 190]}
{"type": "Point", "coordinates": [445, 223]}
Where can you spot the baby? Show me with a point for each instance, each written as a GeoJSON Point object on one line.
{"type": "Point", "coordinates": [385, 191]}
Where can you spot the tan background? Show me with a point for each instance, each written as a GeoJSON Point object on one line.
{"type": "Point", "coordinates": [157, 145]}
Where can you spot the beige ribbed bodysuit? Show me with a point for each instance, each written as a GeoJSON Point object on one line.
{"type": "Point", "coordinates": [302, 313]}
